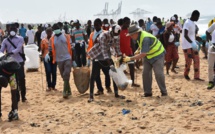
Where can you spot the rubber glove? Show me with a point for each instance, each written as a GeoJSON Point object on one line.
{"type": "Point", "coordinates": [194, 46]}
{"type": "Point", "coordinates": [137, 51]}
{"type": "Point", "coordinates": [74, 64]}
{"type": "Point", "coordinates": [112, 68]}
{"type": "Point", "coordinates": [177, 44]}
{"type": "Point", "coordinates": [47, 58]}
{"type": "Point", "coordinates": [73, 45]}
{"type": "Point", "coordinates": [126, 59]}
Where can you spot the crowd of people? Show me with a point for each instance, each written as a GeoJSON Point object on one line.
{"type": "Point", "coordinates": [65, 45]}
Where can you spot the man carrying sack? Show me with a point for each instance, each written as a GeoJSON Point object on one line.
{"type": "Point", "coordinates": [101, 55]}
{"type": "Point", "coordinates": [151, 49]}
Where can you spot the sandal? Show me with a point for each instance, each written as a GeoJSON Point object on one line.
{"type": "Point", "coordinates": [54, 89]}
{"type": "Point", "coordinates": [174, 71]}
{"type": "Point", "coordinates": [48, 89]}
{"type": "Point", "coordinates": [120, 96]}
{"type": "Point", "coordinates": [109, 90]}
{"type": "Point", "coordinates": [99, 93]}
{"type": "Point", "coordinates": [90, 100]}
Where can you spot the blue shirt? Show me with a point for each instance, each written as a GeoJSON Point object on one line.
{"type": "Point", "coordinates": [22, 32]}
{"type": "Point", "coordinates": [148, 25]}
{"type": "Point", "coordinates": [18, 41]}
{"type": "Point", "coordinates": [203, 37]}
{"type": "Point", "coordinates": [161, 30]}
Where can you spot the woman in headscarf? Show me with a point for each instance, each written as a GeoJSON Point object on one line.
{"type": "Point", "coordinates": [171, 49]}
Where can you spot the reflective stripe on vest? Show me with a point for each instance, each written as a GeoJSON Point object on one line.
{"type": "Point", "coordinates": [155, 49]}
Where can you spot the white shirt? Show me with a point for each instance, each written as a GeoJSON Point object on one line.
{"type": "Point", "coordinates": [154, 29]}
{"type": "Point", "coordinates": [211, 28]}
{"type": "Point", "coordinates": [43, 35]}
{"type": "Point", "coordinates": [30, 34]}
{"type": "Point", "coordinates": [191, 27]}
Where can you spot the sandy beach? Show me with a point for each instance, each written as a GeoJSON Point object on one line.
{"type": "Point", "coordinates": [189, 108]}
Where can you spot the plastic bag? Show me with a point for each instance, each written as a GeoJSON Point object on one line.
{"type": "Point", "coordinates": [33, 60]}
{"type": "Point", "coordinates": [120, 78]}
{"type": "Point", "coordinates": [8, 65]}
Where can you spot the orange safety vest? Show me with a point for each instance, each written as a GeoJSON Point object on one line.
{"type": "Point", "coordinates": [53, 47]}
{"type": "Point", "coordinates": [91, 43]}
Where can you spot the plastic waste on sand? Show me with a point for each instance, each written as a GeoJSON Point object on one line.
{"type": "Point", "coordinates": [120, 78]}
{"type": "Point", "coordinates": [32, 56]}
{"type": "Point", "coordinates": [125, 111]}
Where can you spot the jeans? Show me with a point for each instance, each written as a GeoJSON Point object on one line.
{"type": "Point", "coordinates": [97, 66]}
{"type": "Point", "coordinates": [51, 73]}
{"type": "Point", "coordinates": [80, 55]}
{"type": "Point", "coordinates": [20, 78]}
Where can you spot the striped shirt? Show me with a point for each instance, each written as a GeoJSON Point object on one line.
{"type": "Point", "coordinates": [78, 34]}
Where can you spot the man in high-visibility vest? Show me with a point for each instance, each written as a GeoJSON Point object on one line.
{"type": "Point", "coordinates": [151, 49]}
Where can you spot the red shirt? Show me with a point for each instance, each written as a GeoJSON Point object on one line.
{"type": "Point", "coordinates": [125, 43]}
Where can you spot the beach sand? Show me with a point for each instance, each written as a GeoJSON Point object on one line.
{"type": "Point", "coordinates": [189, 108]}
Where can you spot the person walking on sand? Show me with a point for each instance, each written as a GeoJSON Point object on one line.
{"type": "Point", "coordinates": [126, 47]}
{"type": "Point", "coordinates": [171, 48]}
{"type": "Point", "coordinates": [62, 55]}
{"type": "Point", "coordinates": [79, 39]}
{"type": "Point", "coordinates": [190, 47]}
{"type": "Point", "coordinates": [211, 55]}
{"type": "Point", "coordinates": [101, 55]}
{"type": "Point", "coordinates": [14, 45]}
{"type": "Point", "coordinates": [30, 35]}
{"type": "Point", "coordinates": [98, 30]}
{"type": "Point", "coordinates": [50, 67]}
{"type": "Point", "coordinates": [22, 32]}
{"type": "Point", "coordinates": [7, 76]}
{"type": "Point", "coordinates": [37, 38]}
{"type": "Point", "coordinates": [151, 49]}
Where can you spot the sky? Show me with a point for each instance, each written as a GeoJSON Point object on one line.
{"type": "Point", "coordinates": [42, 11]}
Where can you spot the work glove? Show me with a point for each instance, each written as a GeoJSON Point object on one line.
{"type": "Point", "coordinates": [47, 58]}
{"type": "Point", "coordinates": [112, 68]}
{"type": "Point", "coordinates": [126, 59]}
{"type": "Point", "coordinates": [74, 65]}
{"type": "Point", "coordinates": [88, 62]}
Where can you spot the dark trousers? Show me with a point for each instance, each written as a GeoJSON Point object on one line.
{"type": "Point", "coordinates": [105, 70]}
{"type": "Point", "coordinates": [96, 67]}
{"type": "Point", "coordinates": [20, 78]}
{"type": "Point", "coordinates": [131, 69]}
{"type": "Point", "coordinates": [13, 99]}
{"type": "Point", "coordinates": [51, 73]}
{"type": "Point", "coordinates": [80, 55]}
{"type": "Point", "coordinates": [38, 44]}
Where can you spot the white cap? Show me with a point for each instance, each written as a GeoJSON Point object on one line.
{"type": "Point", "coordinates": [173, 18]}
{"type": "Point", "coordinates": [117, 28]}
{"type": "Point", "coordinates": [76, 21]}
{"type": "Point", "coordinates": [46, 25]}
